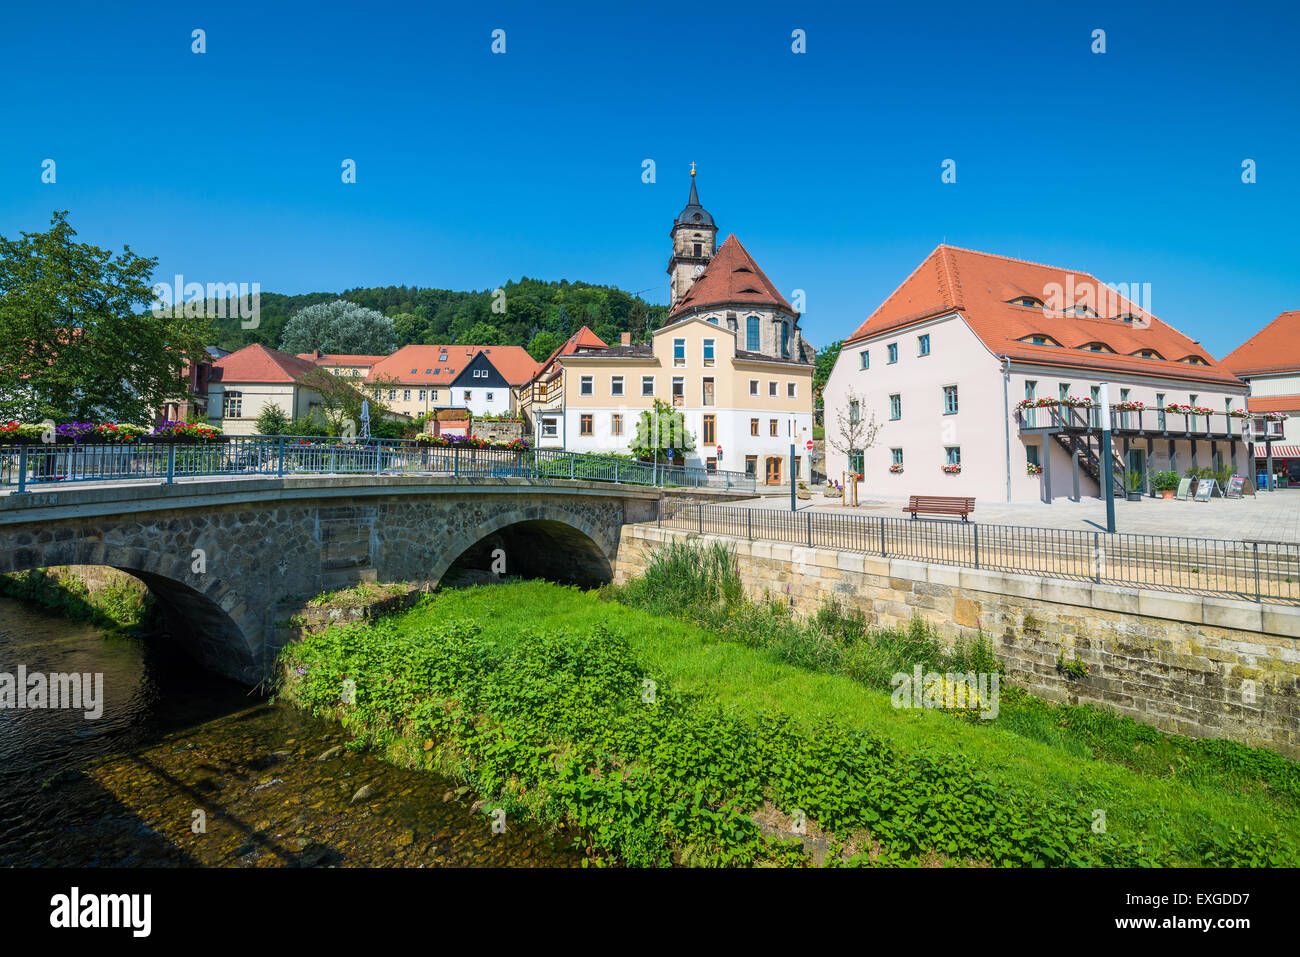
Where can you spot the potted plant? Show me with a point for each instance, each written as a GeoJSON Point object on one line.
{"type": "Point", "coordinates": [802, 491]}
{"type": "Point", "coordinates": [1134, 479]}
{"type": "Point", "coordinates": [1166, 483]}
{"type": "Point", "coordinates": [1032, 469]}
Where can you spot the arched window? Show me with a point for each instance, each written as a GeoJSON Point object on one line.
{"type": "Point", "coordinates": [785, 339]}
{"type": "Point", "coordinates": [751, 333]}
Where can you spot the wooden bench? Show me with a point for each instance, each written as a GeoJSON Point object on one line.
{"type": "Point", "coordinates": [940, 505]}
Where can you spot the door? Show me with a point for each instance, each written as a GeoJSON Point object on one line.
{"type": "Point", "coordinates": [773, 471]}
{"type": "Point", "coordinates": [1136, 466]}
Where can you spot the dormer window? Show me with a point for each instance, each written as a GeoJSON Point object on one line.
{"type": "Point", "coordinates": [1148, 354]}
{"type": "Point", "coordinates": [1038, 339]}
{"type": "Point", "coordinates": [1194, 361]}
{"type": "Point", "coordinates": [1028, 301]}
{"type": "Point", "coordinates": [1083, 311]}
{"type": "Point", "coordinates": [1126, 317]}
{"type": "Point", "coordinates": [1096, 347]}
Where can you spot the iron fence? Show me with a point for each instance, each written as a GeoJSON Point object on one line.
{"type": "Point", "coordinates": [1256, 570]}
{"type": "Point", "coordinates": [24, 466]}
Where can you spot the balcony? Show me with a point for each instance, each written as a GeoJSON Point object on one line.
{"type": "Point", "coordinates": [1148, 423]}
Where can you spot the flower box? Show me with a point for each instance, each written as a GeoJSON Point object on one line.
{"type": "Point", "coordinates": [1033, 469]}
{"type": "Point", "coordinates": [951, 469]}
{"type": "Point", "coordinates": [896, 469]}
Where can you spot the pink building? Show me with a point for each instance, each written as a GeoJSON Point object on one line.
{"type": "Point", "coordinates": [984, 374]}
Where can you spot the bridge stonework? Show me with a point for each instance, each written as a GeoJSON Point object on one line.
{"type": "Point", "coordinates": [219, 555]}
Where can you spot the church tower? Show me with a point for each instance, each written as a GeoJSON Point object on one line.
{"type": "Point", "coordinates": [694, 243]}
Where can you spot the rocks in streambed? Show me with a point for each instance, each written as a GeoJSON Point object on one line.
{"type": "Point", "coordinates": [365, 793]}
{"type": "Point", "coordinates": [333, 752]}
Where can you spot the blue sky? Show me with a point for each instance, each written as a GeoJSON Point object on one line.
{"type": "Point", "coordinates": [474, 168]}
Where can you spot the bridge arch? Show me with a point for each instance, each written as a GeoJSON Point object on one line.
{"type": "Point", "coordinates": [209, 619]}
{"type": "Point", "coordinates": [536, 542]}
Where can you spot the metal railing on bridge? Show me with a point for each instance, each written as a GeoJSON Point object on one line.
{"type": "Point", "coordinates": [25, 466]}
{"type": "Point", "coordinates": [1259, 571]}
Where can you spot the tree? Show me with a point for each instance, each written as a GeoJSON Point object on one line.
{"type": "Point", "coordinates": [822, 367]}
{"type": "Point", "coordinates": [272, 421]}
{"type": "Point", "coordinates": [480, 334]}
{"type": "Point", "coordinates": [654, 438]}
{"type": "Point", "coordinates": [340, 402]}
{"type": "Point", "coordinates": [853, 434]}
{"type": "Point", "coordinates": [75, 340]}
{"type": "Point", "coordinates": [543, 344]}
{"type": "Point", "coordinates": [339, 328]}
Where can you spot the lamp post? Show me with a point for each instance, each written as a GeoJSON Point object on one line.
{"type": "Point", "coordinates": [1107, 466]}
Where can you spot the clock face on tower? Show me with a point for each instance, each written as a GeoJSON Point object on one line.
{"type": "Point", "coordinates": [698, 270]}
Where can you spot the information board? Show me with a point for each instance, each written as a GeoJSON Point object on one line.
{"type": "Point", "coordinates": [1235, 485]}
{"type": "Point", "coordinates": [1184, 488]}
{"type": "Point", "coordinates": [1204, 489]}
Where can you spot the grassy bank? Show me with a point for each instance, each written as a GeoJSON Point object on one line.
{"type": "Point", "coordinates": [537, 696]}
{"type": "Point", "coordinates": [118, 605]}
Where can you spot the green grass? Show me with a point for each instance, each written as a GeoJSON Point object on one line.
{"type": "Point", "coordinates": [118, 605]}
{"type": "Point", "coordinates": [504, 678]}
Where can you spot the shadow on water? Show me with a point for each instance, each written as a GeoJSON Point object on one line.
{"type": "Point", "coordinates": [186, 769]}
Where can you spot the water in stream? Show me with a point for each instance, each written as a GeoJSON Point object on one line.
{"type": "Point", "coordinates": [123, 789]}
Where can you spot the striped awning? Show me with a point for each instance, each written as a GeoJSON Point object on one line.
{"type": "Point", "coordinates": [1279, 451]}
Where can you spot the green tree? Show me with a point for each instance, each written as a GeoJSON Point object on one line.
{"type": "Point", "coordinates": [339, 328]}
{"type": "Point", "coordinates": [75, 342]}
{"type": "Point", "coordinates": [822, 367]}
{"type": "Point", "coordinates": [658, 431]}
{"type": "Point", "coordinates": [272, 421]}
{"type": "Point", "coordinates": [480, 334]}
{"type": "Point", "coordinates": [543, 344]}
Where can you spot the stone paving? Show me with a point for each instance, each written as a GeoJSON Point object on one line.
{"type": "Point", "coordinates": [1269, 516]}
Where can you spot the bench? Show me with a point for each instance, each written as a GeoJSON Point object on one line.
{"type": "Point", "coordinates": [940, 505]}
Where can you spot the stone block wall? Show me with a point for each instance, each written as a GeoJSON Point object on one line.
{"type": "Point", "coordinates": [1186, 664]}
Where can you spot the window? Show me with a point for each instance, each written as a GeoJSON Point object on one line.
{"type": "Point", "coordinates": [1094, 413]}
{"type": "Point", "coordinates": [1038, 340]}
{"type": "Point", "coordinates": [679, 353]}
{"type": "Point", "coordinates": [771, 428]}
{"type": "Point", "coordinates": [1025, 301]}
{"type": "Point", "coordinates": [679, 391]}
{"type": "Point", "coordinates": [891, 351]}
{"type": "Point", "coordinates": [708, 391]}
{"type": "Point", "coordinates": [771, 389]}
{"type": "Point", "coordinates": [753, 426]}
{"type": "Point", "coordinates": [751, 464]}
{"type": "Point", "coordinates": [923, 345]}
{"type": "Point", "coordinates": [584, 424]}
{"type": "Point", "coordinates": [708, 353]}
{"type": "Point", "coordinates": [753, 387]}
{"type": "Point", "coordinates": [1031, 455]}
{"type": "Point", "coordinates": [697, 248]}
{"type": "Point", "coordinates": [1160, 411]}
{"type": "Point", "coordinates": [232, 405]}
{"type": "Point", "coordinates": [586, 385]}
{"type": "Point", "coordinates": [866, 358]}
{"type": "Point", "coordinates": [550, 427]}
{"type": "Point", "coordinates": [647, 385]}
{"type": "Point", "coordinates": [616, 385]}
{"type": "Point", "coordinates": [855, 413]}
{"type": "Point", "coordinates": [857, 464]}
{"type": "Point", "coordinates": [616, 424]}
{"type": "Point", "coordinates": [1063, 390]}
{"type": "Point", "coordinates": [433, 395]}
{"type": "Point", "coordinates": [896, 456]}
{"type": "Point", "coordinates": [751, 333]}
{"type": "Point", "coordinates": [896, 406]}
{"type": "Point", "coordinates": [953, 454]}
{"type": "Point", "coordinates": [488, 397]}
{"type": "Point", "coordinates": [785, 338]}
{"type": "Point", "coordinates": [466, 397]}
{"type": "Point", "coordinates": [710, 430]}
{"type": "Point", "coordinates": [406, 395]}
{"type": "Point", "coordinates": [949, 400]}
{"type": "Point", "coordinates": [424, 395]}
{"type": "Point", "coordinates": [789, 390]}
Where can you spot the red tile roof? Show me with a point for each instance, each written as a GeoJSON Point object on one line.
{"type": "Point", "coordinates": [731, 276]}
{"type": "Point", "coordinates": [1275, 348]}
{"type": "Point", "coordinates": [322, 359]}
{"type": "Point", "coordinates": [513, 362]}
{"type": "Point", "coordinates": [980, 285]}
{"type": "Point", "coordinates": [259, 363]}
{"type": "Point", "coordinates": [1273, 403]}
{"type": "Point", "coordinates": [584, 338]}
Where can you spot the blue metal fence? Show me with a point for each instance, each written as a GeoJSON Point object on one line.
{"type": "Point", "coordinates": [25, 466]}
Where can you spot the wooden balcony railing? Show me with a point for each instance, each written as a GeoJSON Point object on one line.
{"type": "Point", "coordinates": [1150, 422]}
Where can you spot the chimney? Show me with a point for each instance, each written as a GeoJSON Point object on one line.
{"type": "Point", "coordinates": [626, 338]}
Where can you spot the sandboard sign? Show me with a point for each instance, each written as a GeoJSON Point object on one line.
{"type": "Point", "coordinates": [1235, 485]}
{"type": "Point", "coordinates": [1204, 489]}
{"type": "Point", "coordinates": [1184, 488]}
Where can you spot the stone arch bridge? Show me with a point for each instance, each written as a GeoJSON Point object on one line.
{"type": "Point", "coordinates": [220, 554]}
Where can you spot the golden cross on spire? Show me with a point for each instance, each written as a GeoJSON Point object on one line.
{"type": "Point", "coordinates": [692, 169]}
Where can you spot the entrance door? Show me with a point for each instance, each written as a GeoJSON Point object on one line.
{"type": "Point", "coordinates": [773, 471]}
{"type": "Point", "coordinates": [1136, 465]}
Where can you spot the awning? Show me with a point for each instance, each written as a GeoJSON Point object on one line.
{"type": "Point", "coordinates": [1279, 451]}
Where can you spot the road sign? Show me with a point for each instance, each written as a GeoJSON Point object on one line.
{"type": "Point", "coordinates": [670, 454]}
{"type": "Point", "coordinates": [810, 445]}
